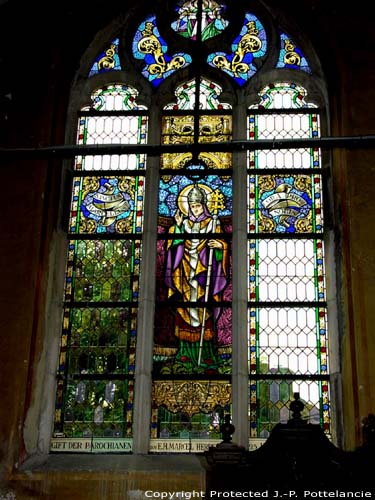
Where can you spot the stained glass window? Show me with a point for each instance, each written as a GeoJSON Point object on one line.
{"type": "Point", "coordinates": [210, 263]}
{"type": "Point", "coordinates": [95, 379]}
{"type": "Point", "coordinates": [287, 302]}
{"type": "Point", "coordinates": [291, 56]}
{"type": "Point", "coordinates": [108, 60]}
{"type": "Point", "coordinates": [251, 43]}
{"type": "Point", "coordinates": [193, 319]}
{"type": "Point", "coordinates": [212, 20]}
{"type": "Point", "coordinates": [149, 46]}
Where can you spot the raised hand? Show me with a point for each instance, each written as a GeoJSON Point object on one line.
{"type": "Point", "coordinates": [178, 217]}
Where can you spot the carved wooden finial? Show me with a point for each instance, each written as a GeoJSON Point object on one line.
{"type": "Point", "coordinates": [227, 429]}
{"type": "Point", "coordinates": [296, 408]}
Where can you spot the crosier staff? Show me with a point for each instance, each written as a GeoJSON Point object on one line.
{"type": "Point", "coordinates": [216, 204]}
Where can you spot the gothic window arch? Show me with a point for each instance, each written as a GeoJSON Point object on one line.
{"type": "Point", "coordinates": [195, 279]}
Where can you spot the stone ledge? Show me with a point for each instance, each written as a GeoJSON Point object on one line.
{"type": "Point", "coordinates": [106, 477]}
{"type": "Point", "coordinates": [65, 462]}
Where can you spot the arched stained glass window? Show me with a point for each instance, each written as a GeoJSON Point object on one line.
{"type": "Point", "coordinates": [195, 287]}
{"type": "Point", "coordinates": [193, 320]}
{"type": "Point", "coordinates": [96, 368]}
{"type": "Point", "coordinates": [287, 298]}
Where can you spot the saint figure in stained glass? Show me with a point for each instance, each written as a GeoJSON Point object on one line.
{"type": "Point", "coordinates": [196, 271]}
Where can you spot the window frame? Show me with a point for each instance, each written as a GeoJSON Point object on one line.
{"type": "Point", "coordinates": [240, 100]}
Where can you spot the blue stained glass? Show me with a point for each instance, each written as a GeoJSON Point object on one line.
{"type": "Point", "coordinates": [251, 43]}
{"type": "Point", "coordinates": [152, 48]}
{"type": "Point", "coordinates": [107, 205]}
{"type": "Point", "coordinates": [108, 60]}
{"type": "Point", "coordinates": [285, 204]}
{"type": "Point", "coordinates": [291, 57]}
{"type": "Point", "coordinates": [169, 190]}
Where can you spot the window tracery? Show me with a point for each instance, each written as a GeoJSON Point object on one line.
{"type": "Point", "coordinates": [192, 359]}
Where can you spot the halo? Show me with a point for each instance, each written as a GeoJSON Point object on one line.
{"type": "Point", "coordinates": [182, 200]}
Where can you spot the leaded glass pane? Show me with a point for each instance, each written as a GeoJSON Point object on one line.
{"type": "Point", "coordinates": [100, 340]}
{"type": "Point", "coordinates": [288, 340]}
{"type": "Point", "coordinates": [149, 46]}
{"type": "Point", "coordinates": [212, 19]}
{"type": "Point", "coordinates": [284, 126]}
{"type": "Point", "coordinates": [291, 56]}
{"type": "Point", "coordinates": [286, 270]}
{"type": "Point", "coordinates": [270, 401]}
{"type": "Point", "coordinates": [115, 97]}
{"type": "Point", "coordinates": [250, 44]}
{"type": "Point", "coordinates": [103, 270]}
{"type": "Point", "coordinates": [180, 130]}
{"type": "Point", "coordinates": [93, 409]}
{"type": "Point", "coordinates": [112, 129]}
{"type": "Point", "coordinates": [283, 95]}
{"type": "Point", "coordinates": [286, 291]}
{"type": "Point", "coordinates": [108, 60]}
{"type": "Point", "coordinates": [193, 317]}
{"type": "Point", "coordinates": [190, 336]}
{"type": "Point", "coordinates": [107, 205]}
{"type": "Point", "coordinates": [285, 204]}
{"type": "Point", "coordinates": [209, 93]}
{"type": "Point", "coordinates": [285, 158]}
{"type": "Point", "coordinates": [94, 402]}
{"type": "Point", "coordinates": [187, 414]}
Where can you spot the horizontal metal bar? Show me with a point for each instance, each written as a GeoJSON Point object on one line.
{"type": "Point", "coordinates": [287, 376]}
{"type": "Point", "coordinates": [283, 111]}
{"type": "Point", "coordinates": [285, 236]}
{"type": "Point", "coordinates": [285, 304]}
{"type": "Point", "coordinates": [70, 151]}
{"type": "Point", "coordinates": [290, 171]}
